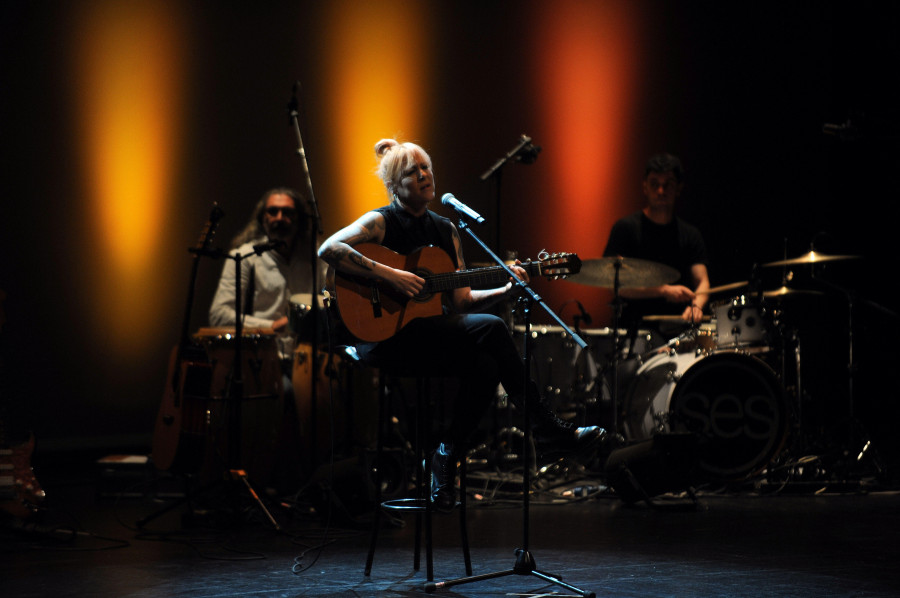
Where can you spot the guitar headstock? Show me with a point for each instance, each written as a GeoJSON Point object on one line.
{"type": "Point", "coordinates": [556, 266]}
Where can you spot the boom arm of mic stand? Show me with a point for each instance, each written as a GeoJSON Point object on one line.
{"type": "Point", "coordinates": [523, 141]}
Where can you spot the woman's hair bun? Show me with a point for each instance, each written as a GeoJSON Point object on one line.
{"type": "Point", "coordinates": [385, 145]}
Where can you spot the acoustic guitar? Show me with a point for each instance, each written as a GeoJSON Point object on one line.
{"type": "Point", "coordinates": [373, 312]}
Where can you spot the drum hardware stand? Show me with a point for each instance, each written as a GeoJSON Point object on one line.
{"type": "Point", "coordinates": [525, 562]}
{"type": "Point", "coordinates": [859, 444]}
{"type": "Point", "coordinates": [618, 305]}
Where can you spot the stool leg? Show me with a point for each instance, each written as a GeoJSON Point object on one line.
{"type": "Point", "coordinates": [379, 449]}
{"type": "Point", "coordinates": [425, 423]}
{"type": "Point", "coordinates": [463, 528]}
{"type": "Point", "coordinates": [420, 469]}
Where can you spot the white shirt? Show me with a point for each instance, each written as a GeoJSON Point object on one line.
{"type": "Point", "coordinates": [275, 279]}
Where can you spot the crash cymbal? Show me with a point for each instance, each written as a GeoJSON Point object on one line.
{"type": "Point", "coordinates": [783, 291]}
{"type": "Point", "coordinates": [601, 272]}
{"type": "Point", "coordinates": [723, 288]}
{"type": "Point", "coordinates": [811, 258]}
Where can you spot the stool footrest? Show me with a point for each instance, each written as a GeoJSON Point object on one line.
{"type": "Point", "coordinates": [406, 504]}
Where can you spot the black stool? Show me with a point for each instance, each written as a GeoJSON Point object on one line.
{"type": "Point", "coordinates": [420, 504]}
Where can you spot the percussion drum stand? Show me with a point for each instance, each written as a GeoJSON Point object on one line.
{"type": "Point", "coordinates": [525, 563]}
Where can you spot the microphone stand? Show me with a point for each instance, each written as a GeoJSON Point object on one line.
{"type": "Point", "coordinates": [495, 170]}
{"type": "Point", "coordinates": [315, 230]}
{"type": "Point", "coordinates": [235, 394]}
{"type": "Point", "coordinates": [525, 563]}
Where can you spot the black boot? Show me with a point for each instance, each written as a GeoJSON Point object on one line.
{"type": "Point", "coordinates": [443, 478]}
{"type": "Point", "coordinates": [562, 435]}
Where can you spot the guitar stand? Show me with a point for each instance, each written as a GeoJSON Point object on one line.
{"type": "Point", "coordinates": [525, 563]}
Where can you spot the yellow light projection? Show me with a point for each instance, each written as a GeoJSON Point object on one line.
{"type": "Point", "coordinates": [126, 65]}
{"type": "Point", "coordinates": [376, 56]}
{"type": "Point", "coordinates": [586, 81]}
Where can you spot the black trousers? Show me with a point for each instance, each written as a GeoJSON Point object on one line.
{"type": "Point", "coordinates": [476, 348]}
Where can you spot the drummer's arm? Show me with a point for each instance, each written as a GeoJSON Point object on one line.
{"type": "Point", "coordinates": [701, 285]}
{"type": "Point", "coordinates": [694, 311]}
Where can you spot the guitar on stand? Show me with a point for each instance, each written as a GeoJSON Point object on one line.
{"type": "Point", "coordinates": [188, 368]}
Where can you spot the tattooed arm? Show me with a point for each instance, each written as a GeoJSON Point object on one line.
{"type": "Point", "coordinates": [338, 251]}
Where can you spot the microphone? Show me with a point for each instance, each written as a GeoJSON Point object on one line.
{"type": "Point", "coordinates": [585, 316]}
{"type": "Point", "coordinates": [449, 200]}
{"type": "Point", "coordinates": [268, 246]}
{"type": "Point", "coordinates": [293, 106]}
{"type": "Point", "coordinates": [528, 154]}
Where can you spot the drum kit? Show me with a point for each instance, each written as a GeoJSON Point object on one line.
{"type": "Point", "coordinates": [734, 380]}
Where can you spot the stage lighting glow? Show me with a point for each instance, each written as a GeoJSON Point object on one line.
{"type": "Point", "coordinates": [127, 78]}
{"type": "Point", "coordinates": [376, 58]}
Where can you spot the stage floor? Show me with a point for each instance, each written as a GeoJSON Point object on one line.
{"type": "Point", "coordinates": [763, 541]}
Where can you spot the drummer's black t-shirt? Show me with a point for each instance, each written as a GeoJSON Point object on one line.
{"type": "Point", "coordinates": [677, 244]}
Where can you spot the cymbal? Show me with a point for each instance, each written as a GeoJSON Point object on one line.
{"type": "Point", "coordinates": [784, 291]}
{"type": "Point", "coordinates": [633, 272]}
{"type": "Point", "coordinates": [811, 258]}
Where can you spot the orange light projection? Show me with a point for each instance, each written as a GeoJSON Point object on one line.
{"type": "Point", "coordinates": [375, 63]}
{"type": "Point", "coordinates": [585, 82]}
{"type": "Point", "coordinates": [126, 65]}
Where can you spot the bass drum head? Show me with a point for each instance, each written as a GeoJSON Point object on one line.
{"type": "Point", "coordinates": [736, 407]}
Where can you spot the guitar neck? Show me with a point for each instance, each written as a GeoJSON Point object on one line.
{"type": "Point", "coordinates": [477, 277]}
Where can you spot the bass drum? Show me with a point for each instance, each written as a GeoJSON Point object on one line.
{"type": "Point", "coordinates": [732, 402]}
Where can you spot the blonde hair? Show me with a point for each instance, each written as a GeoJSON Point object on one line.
{"type": "Point", "coordinates": [395, 157]}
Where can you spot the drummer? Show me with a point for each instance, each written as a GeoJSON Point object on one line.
{"type": "Point", "coordinates": [655, 233]}
{"type": "Point", "coordinates": [271, 277]}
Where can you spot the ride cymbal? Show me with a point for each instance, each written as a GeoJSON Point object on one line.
{"type": "Point", "coordinates": [633, 272]}
{"type": "Point", "coordinates": [811, 258]}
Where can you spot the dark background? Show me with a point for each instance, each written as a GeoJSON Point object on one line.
{"type": "Point", "coordinates": [741, 92]}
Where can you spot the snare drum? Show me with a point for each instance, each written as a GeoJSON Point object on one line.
{"type": "Point", "coordinates": [732, 402]}
{"type": "Point", "coordinates": [739, 323]}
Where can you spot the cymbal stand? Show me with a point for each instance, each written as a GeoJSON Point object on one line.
{"type": "Point", "coordinates": [617, 317]}
{"type": "Point", "coordinates": [858, 441]}
{"type": "Point", "coordinates": [524, 563]}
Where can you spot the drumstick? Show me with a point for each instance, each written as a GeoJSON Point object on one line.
{"type": "Point", "coordinates": [672, 318]}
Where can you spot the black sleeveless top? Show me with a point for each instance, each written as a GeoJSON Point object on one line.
{"type": "Point", "coordinates": [404, 233]}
